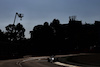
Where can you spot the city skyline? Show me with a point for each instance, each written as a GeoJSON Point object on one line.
{"type": "Point", "coordinates": [37, 12]}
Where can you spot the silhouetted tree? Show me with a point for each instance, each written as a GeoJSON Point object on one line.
{"type": "Point", "coordinates": [36, 33]}
{"type": "Point", "coordinates": [55, 24]}
{"type": "Point", "coordinates": [20, 31]}
{"type": "Point", "coordinates": [42, 32]}
{"type": "Point", "coordinates": [3, 37]}
{"type": "Point", "coordinates": [15, 32]}
{"type": "Point", "coordinates": [11, 32]}
{"type": "Point", "coordinates": [47, 32]}
{"type": "Point", "coordinates": [66, 38]}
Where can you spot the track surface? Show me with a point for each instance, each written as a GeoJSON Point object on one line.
{"type": "Point", "coordinates": [38, 62]}
{"type": "Point", "coordinates": [28, 62]}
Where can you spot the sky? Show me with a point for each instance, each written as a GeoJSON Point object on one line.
{"type": "Point", "coordinates": [39, 11]}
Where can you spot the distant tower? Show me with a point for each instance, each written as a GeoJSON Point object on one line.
{"type": "Point", "coordinates": [73, 21]}
{"type": "Point", "coordinates": [72, 18]}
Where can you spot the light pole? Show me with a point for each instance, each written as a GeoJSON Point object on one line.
{"type": "Point", "coordinates": [19, 15]}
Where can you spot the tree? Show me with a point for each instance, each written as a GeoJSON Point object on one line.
{"type": "Point", "coordinates": [2, 36]}
{"type": "Point", "coordinates": [20, 31]}
{"type": "Point", "coordinates": [15, 32]}
{"type": "Point", "coordinates": [10, 32]}
{"type": "Point", "coordinates": [55, 24]}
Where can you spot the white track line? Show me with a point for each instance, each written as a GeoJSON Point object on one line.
{"type": "Point", "coordinates": [19, 63]}
{"type": "Point", "coordinates": [63, 64]}
{"type": "Point", "coordinates": [29, 59]}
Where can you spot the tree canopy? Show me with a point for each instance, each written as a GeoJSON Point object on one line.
{"type": "Point", "coordinates": [15, 32]}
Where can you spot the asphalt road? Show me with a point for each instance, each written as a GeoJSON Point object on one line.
{"type": "Point", "coordinates": [27, 62]}
{"type": "Point", "coordinates": [36, 62]}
